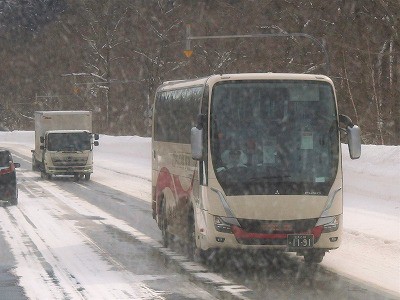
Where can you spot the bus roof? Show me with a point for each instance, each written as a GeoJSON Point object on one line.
{"type": "Point", "coordinates": [242, 76]}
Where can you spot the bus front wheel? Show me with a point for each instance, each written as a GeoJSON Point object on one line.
{"type": "Point", "coordinates": [314, 256]}
{"type": "Point", "coordinates": [192, 251]}
{"type": "Point", "coordinates": [166, 238]}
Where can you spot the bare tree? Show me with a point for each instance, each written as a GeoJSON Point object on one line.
{"type": "Point", "coordinates": [103, 35]}
{"type": "Point", "coordinates": [116, 53]}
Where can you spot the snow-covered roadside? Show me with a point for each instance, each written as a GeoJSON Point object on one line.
{"type": "Point", "coordinates": [371, 241]}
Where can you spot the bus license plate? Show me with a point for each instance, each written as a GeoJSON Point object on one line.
{"type": "Point", "coordinates": [300, 240]}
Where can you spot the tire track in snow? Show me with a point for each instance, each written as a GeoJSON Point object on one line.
{"type": "Point", "coordinates": [214, 283]}
{"type": "Point", "coordinates": [225, 289]}
{"type": "Point", "coordinates": [55, 260]}
{"type": "Point", "coordinates": [35, 274]}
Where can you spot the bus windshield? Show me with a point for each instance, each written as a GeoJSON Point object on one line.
{"type": "Point", "coordinates": [274, 137]}
{"type": "Point", "coordinates": [75, 141]}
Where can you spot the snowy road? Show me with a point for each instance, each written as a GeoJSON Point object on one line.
{"type": "Point", "coordinates": [97, 240]}
{"type": "Point", "coordinates": [52, 235]}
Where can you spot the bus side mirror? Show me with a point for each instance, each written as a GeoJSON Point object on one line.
{"type": "Point", "coordinates": [96, 136]}
{"type": "Point", "coordinates": [354, 141]}
{"type": "Point", "coordinates": [41, 139]}
{"type": "Point", "coordinates": [96, 143]}
{"type": "Point", "coordinates": [196, 140]}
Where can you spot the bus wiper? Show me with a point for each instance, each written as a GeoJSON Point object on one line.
{"type": "Point", "coordinates": [270, 177]}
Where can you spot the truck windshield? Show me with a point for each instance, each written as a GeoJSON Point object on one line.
{"type": "Point", "coordinates": [76, 141]}
{"type": "Point", "coordinates": [276, 137]}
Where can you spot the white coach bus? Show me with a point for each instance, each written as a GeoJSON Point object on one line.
{"type": "Point", "coordinates": [250, 161]}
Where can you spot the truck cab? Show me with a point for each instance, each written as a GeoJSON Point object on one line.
{"type": "Point", "coordinates": [68, 152]}
{"type": "Point", "coordinates": [64, 144]}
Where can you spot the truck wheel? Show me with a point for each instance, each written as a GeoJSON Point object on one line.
{"type": "Point", "coordinates": [87, 176]}
{"type": "Point", "coordinates": [34, 165]}
{"type": "Point", "coordinates": [44, 175]}
{"type": "Point", "coordinates": [76, 177]}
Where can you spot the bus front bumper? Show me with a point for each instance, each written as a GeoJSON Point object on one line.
{"type": "Point", "coordinates": [321, 236]}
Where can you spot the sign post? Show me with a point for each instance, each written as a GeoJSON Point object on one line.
{"type": "Point", "coordinates": [188, 50]}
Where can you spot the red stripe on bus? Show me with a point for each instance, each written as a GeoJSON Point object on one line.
{"type": "Point", "coordinates": [167, 180]}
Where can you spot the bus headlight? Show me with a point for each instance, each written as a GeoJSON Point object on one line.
{"type": "Point", "coordinates": [332, 225]}
{"type": "Point", "coordinates": [221, 226]}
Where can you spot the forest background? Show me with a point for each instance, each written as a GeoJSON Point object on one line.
{"type": "Point", "coordinates": [109, 56]}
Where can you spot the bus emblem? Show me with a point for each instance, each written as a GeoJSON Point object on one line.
{"type": "Point", "coordinates": [277, 192]}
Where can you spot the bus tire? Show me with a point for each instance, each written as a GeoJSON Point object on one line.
{"type": "Point", "coordinates": [166, 238]}
{"type": "Point", "coordinates": [314, 256]}
{"type": "Point", "coordinates": [191, 249]}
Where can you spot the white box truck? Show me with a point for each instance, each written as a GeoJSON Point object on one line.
{"type": "Point", "coordinates": [64, 144]}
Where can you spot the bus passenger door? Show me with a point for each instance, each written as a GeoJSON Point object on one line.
{"type": "Point", "coordinates": [199, 195]}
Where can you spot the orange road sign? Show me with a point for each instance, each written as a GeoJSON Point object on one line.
{"type": "Point", "coordinates": [188, 53]}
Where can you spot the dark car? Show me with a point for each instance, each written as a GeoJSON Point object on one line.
{"type": "Point", "coordinates": [8, 178]}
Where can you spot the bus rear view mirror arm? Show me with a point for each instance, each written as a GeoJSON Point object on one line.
{"type": "Point", "coordinates": [345, 120]}
{"type": "Point", "coordinates": [353, 136]}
